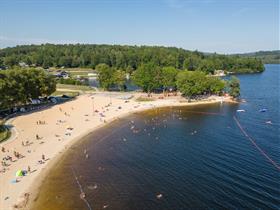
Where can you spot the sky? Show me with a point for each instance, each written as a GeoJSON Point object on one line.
{"type": "Point", "coordinates": [222, 26]}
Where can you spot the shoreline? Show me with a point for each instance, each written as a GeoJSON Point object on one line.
{"type": "Point", "coordinates": [82, 108]}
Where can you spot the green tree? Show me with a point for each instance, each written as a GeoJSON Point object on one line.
{"type": "Point", "coordinates": [215, 85]}
{"type": "Point", "coordinates": [169, 77]}
{"type": "Point", "coordinates": [119, 78]}
{"type": "Point", "coordinates": [234, 87]}
{"type": "Point", "coordinates": [105, 75]}
{"type": "Point", "coordinates": [191, 63]}
{"type": "Point", "coordinates": [1, 62]}
{"type": "Point", "coordinates": [148, 77]}
{"type": "Point", "coordinates": [10, 60]}
{"type": "Point", "coordinates": [47, 63]}
{"type": "Point", "coordinates": [19, 86]}
{"type": "Point", "coordinates": [3, 90]}
{"type": "Point", "coordinates": [191, 83]}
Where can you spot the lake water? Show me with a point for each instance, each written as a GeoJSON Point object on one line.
{"type": "Point", "coordinates": [178, 158]}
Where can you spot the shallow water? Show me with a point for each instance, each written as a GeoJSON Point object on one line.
{"type": "Point", "coordinates": [192, 157]}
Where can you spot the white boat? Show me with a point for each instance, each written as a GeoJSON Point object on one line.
{"type": "Point", "coordinates": [240, 110]}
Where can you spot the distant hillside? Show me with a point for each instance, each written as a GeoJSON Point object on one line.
{"type": "Point", "coordinates": [265, 56]}
{"type": "Point", "coordinates": [126, 58]}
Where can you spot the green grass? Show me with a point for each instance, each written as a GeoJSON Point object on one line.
{"type": "Point", "coordinates": [78, 69]}
{"type": "Point", "coordinates": [84, 73]}
{"type": "Point", "coordinates": [71, 69]}
{"type": "Point", "coordinates": [68, 93]}
{"type": "Point", "coordinates": [144, 99]}
{"type": "Point", "coordinates": [71, 90]}
{"type": "Point", "coordinates": [5, 133]}
{"type": "Point", "coordinates": [74, 87]}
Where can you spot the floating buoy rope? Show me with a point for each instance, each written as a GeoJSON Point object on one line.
{"type": "Point", "coordinates": [206, 113]}
{"type": "Point", "coordinates": [83, 197]}
{"type": "Point", "coordinates": [262, 152]}
{"type": "Point", "coordinates": [255, 144]}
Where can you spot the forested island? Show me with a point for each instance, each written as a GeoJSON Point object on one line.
{"type": "Point", "coordinates": [125, 58]}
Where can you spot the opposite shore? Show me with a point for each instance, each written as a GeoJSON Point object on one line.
{"type": "Point", "coordinates": [41, 137]}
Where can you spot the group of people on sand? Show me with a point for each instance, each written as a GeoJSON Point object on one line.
{"type": "Point", "coordinates": [42, 160]}
{"type": "Point", "coordinates": [18, 155]}
{"type": "Point", "coordinates": [101, 113]}
{"type": "Point", "coordinates": [8, 158]}
{"type": "Point", "coordinates": [39, 122]}
{"type": "Point", "coordinates": [65, 113]}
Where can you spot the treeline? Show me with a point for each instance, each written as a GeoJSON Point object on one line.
{"type": "Point", "coordinates": [19, 86]}
{"type": "Point", "coordinates": [268, 57]}
{"type": "Point", "coordinates": [126, 58]}
{"type": "Point", "coordinates": [151, 77]}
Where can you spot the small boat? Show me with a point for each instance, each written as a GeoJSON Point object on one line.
{"type": "Point", "coordinates": [268, 122]}
{"type": "Point", "coordinates": [262, 110]}
{"type": "Point", "coordinates": [240, 110]}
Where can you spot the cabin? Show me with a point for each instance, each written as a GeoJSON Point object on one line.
{"type": "Point", "coordinates": [219, 73]}
{"type": "Point", "coordinates": [23, 65]}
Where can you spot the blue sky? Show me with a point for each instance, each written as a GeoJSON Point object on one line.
{"type": "Point", "coordinates": [224, 26]}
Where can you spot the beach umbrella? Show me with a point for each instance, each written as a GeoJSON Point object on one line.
{"type": "Point", "coordinates": [19, 173]}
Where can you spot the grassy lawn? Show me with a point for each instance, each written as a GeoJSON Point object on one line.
{"type": "Point", "coordinates": [80, 73]}
{"type": "Point", "coordinates": [71, 90]}
{"type": "Point", "coordinates": [4, 132]}
{"type": "Point", "coordinates": [74, 87]}
{"type": "Point", "coordinates": [83, 72]}
{"type": "Point", "coordinates": [68, 93]}
{"type": "Point", "coordinates": [71, 69]}
{"type": "Point", "coordinates": [78, 69]}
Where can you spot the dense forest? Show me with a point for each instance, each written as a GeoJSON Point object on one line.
{"type": "Point", "coordinates": [126, 58]}
{"type": "Point", "coordinates": [272, 57]}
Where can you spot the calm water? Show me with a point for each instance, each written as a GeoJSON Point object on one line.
{"type": "Point", "coordinates": [194, 160]}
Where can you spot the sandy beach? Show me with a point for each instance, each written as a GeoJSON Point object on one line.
{"type": "Point", "coordinates": [39, 137]}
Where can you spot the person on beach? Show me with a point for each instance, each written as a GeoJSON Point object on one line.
{"type": "Point", "coordinates": [29, 169]}
{"type": "Point", "coordinates": [43, 157]}
{"type": "Point", "coordinates": [82, 195]}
